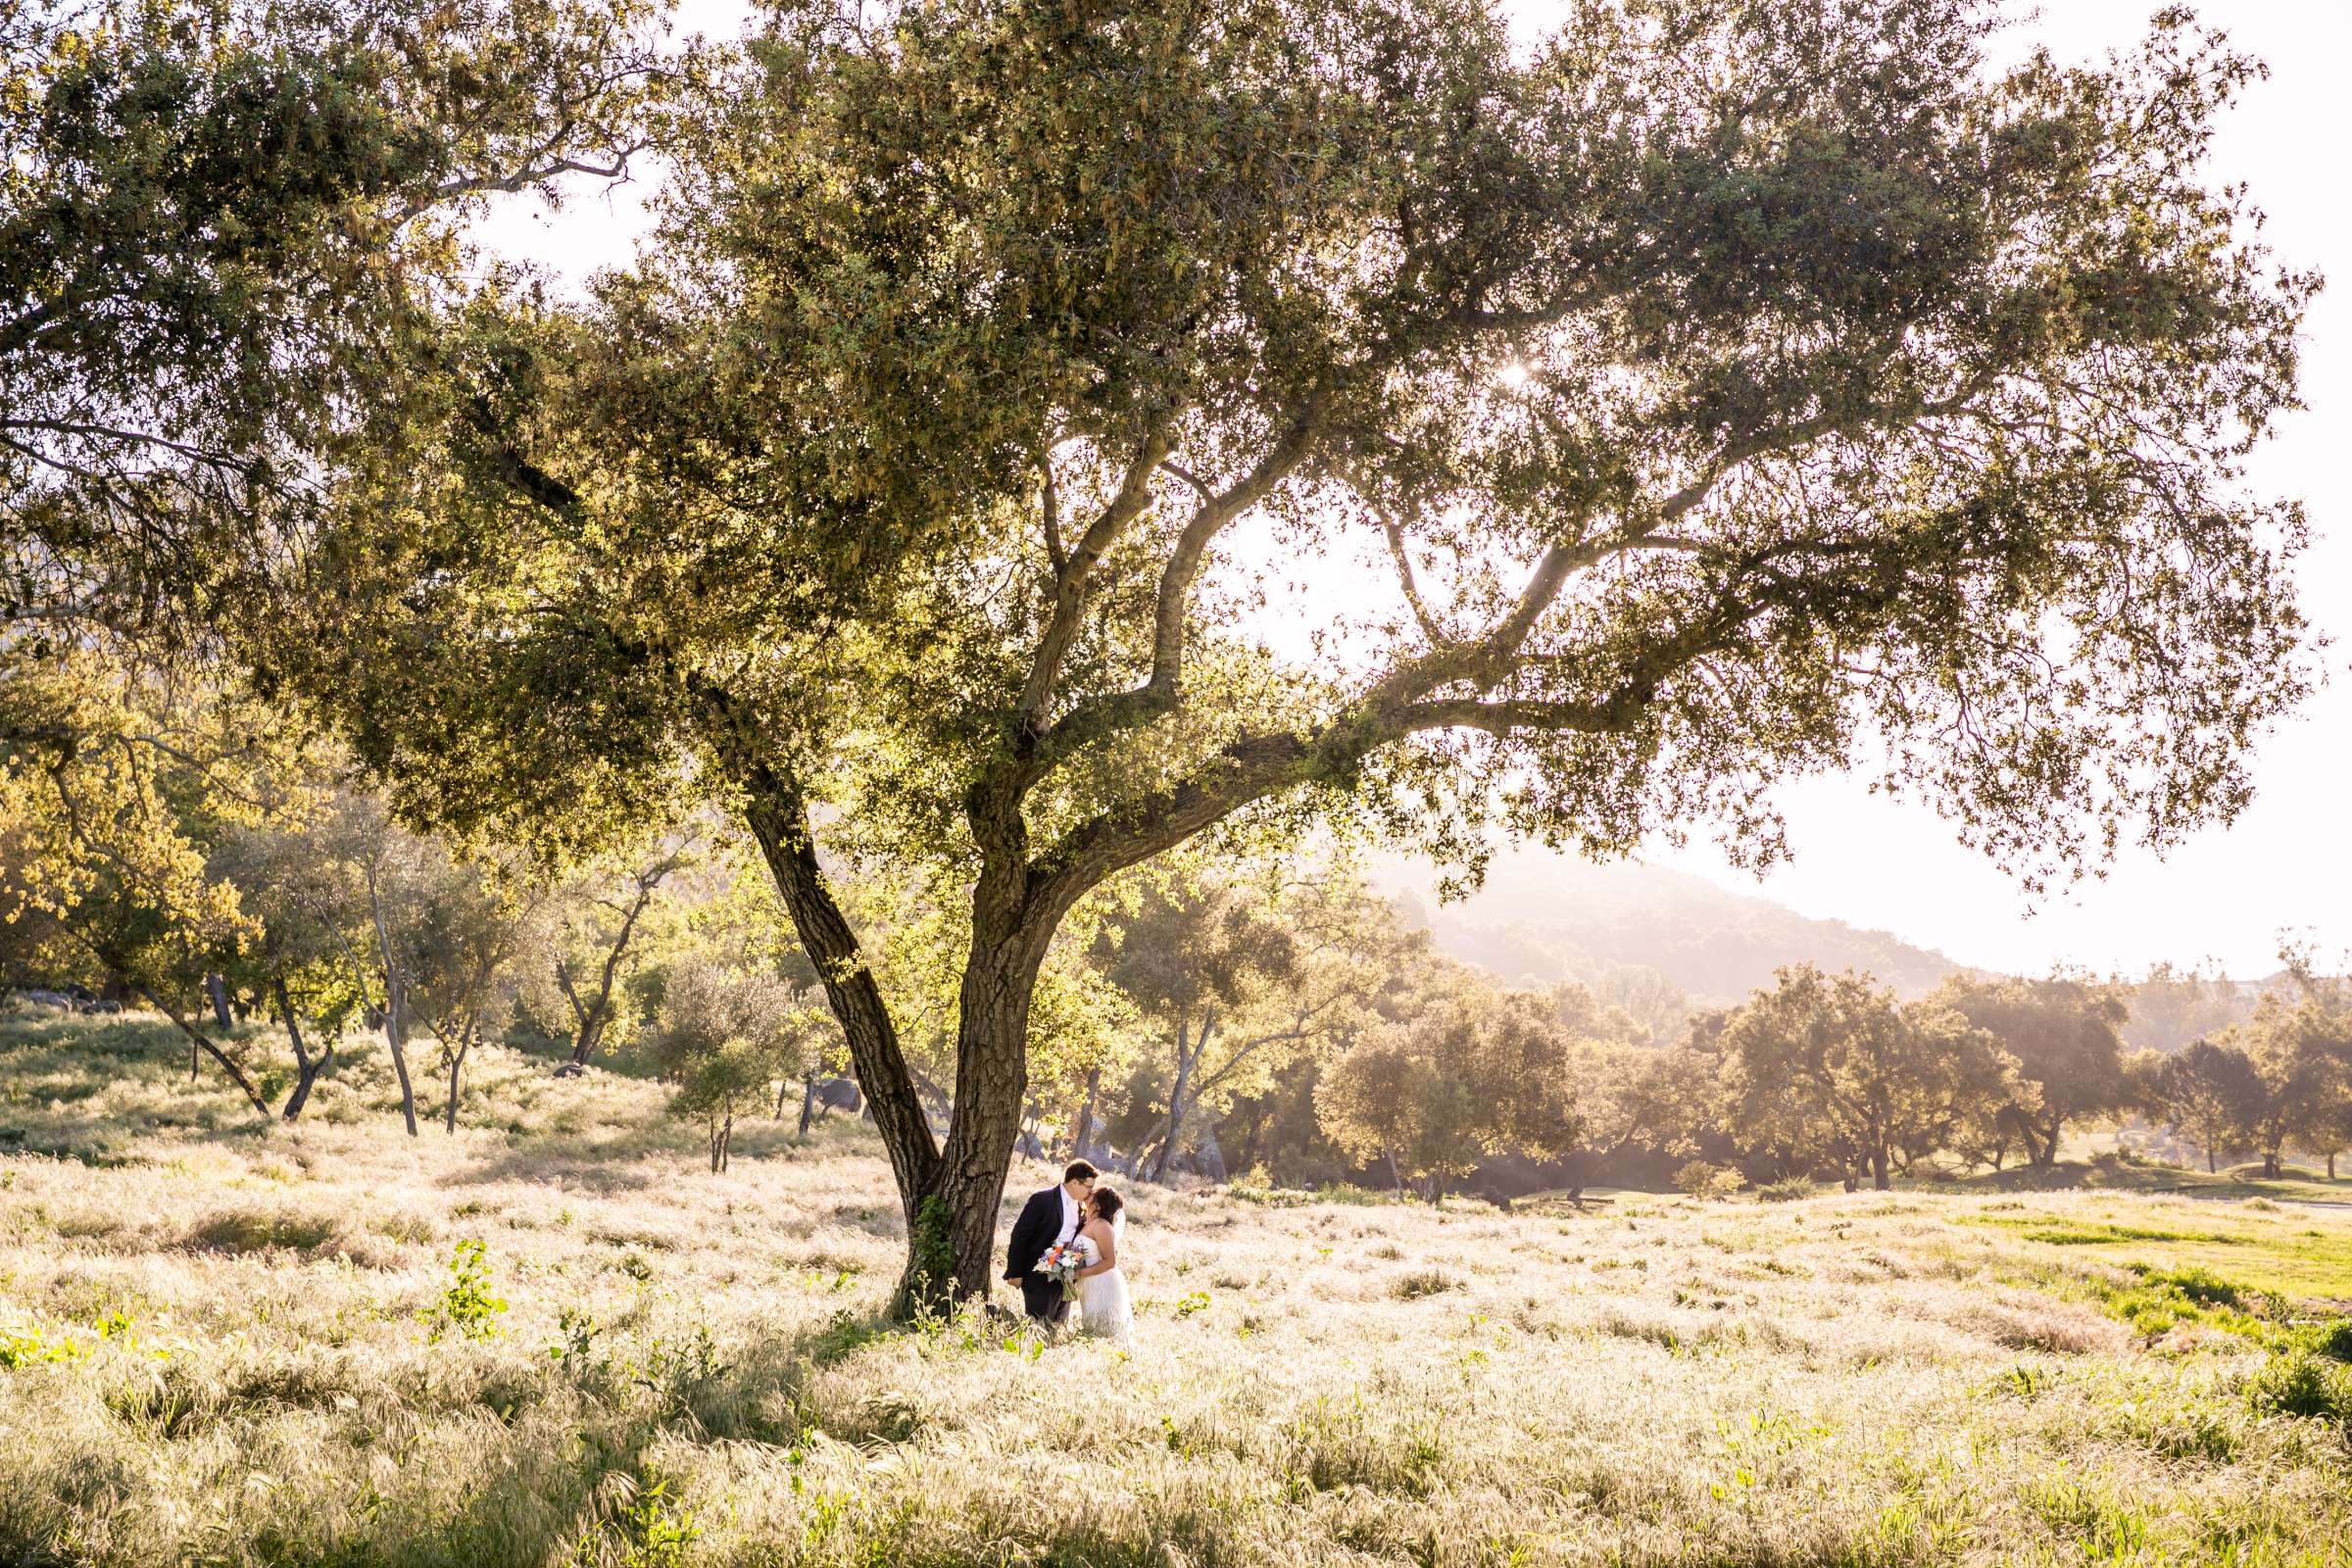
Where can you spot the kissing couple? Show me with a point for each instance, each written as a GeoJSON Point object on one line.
{"type": "Point", "coordinates": [1065, 1248]}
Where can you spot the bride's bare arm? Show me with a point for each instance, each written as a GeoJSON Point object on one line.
{"type": "Point", "coordinates": [1107, 1244]}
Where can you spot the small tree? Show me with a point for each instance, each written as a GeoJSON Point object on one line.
{"type": "Point", "coordinates": [469, 927]}
{"type": "Point", "coordinates": [2328, 1132]}
{"type": "Point", "coordinates": [1600, 1100]}
{"type": "Point", "coordinates": [2297, 1046]}
{"type": "Point", "coordinates": [312, 914]}
{"type": "Point", "coordinates": [602, 922]}
{"type": "Point", "coordinates": [716, 1084]}
{"type": "Point", "coordinates": [725, 1035]}
{"type": "Point", "coordinates": [2212, 1092]}
{"type": "Point", "coordinates": [1255, 978]}
{"type": "Point", "coordinates": [1190, 958]}
{"type": "Point", "coordinates": [1471, 1074]}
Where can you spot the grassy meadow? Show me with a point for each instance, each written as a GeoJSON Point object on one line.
{"type": "Point", "coordinates": [555, 1338]}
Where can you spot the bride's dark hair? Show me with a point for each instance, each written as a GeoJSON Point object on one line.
{"type": "Point", "coordinates": [1107, 1204]}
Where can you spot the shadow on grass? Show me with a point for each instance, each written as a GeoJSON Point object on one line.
{"type": "Point", "coordinates": [2107, 1174]}
{"type": "Point", "coordinates": [621, 1162]}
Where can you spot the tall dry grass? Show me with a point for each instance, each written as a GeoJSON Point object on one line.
{"type": "Point", "coordinates": [249, 1345]}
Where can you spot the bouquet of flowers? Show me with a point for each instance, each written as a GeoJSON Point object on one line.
{"type": "Point", "coordinates": [1063, 1263]}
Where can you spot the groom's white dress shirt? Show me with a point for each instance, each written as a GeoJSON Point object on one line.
{"type": "Point", "coordinates": [1069, 1217]}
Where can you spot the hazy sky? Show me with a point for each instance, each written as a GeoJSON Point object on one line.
{"type": "Point", "coordinates": [2286, 864]}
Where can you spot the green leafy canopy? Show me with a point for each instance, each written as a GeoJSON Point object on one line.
{"type": "Point", "coordinates": [1736, 389]}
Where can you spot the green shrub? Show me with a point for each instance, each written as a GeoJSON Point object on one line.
{"type": "Point", "coordinates": [1700, 1179]}
{"type": "Point", "coordinates": [1255, 1186]}
{"type": "Point", "coordinates": [1788, 1190]}
{"type": "Point", "coordinates": [2305, 1386]}
{"type": "Point", "coordinates": [2201, 1286]}
{"type": "Point", "coordinates": [466, 1305]}
{"type": "Point", "coordinates": [1350, 1192]}
{"type": "Point", "coordinates": [2334, 1340]}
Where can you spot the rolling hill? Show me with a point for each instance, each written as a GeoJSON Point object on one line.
{"type": "Point", "coordinates": [1543, 917]}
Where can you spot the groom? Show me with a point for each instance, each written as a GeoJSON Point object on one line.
{"type": "Point", "coordinates": [1048, 1219]}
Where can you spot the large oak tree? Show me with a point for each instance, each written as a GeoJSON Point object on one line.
{"type": "Point", "coordinates": [1730, 389]}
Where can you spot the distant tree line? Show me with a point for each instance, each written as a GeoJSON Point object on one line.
{"type": "Point", "coordinates": [1227, 1015]}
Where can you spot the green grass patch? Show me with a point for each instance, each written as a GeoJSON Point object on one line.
{"type": "Point", "coordinates": [2300, 1384]}
{"type": "Point", "coordinates": [2280, 1255]}
{"type": "Point", "coordinates": [2106, 1173]}
{"type": "Point", "coordinates": [2094, 1235]}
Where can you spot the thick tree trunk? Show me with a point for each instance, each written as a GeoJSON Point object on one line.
{"type": "Point", "coordinates": [456, 1067]}
{"type": "Point", "coordinates": [2269, 1164]}
{"type": "Point", "coordinates": [586, 1038]}
{"type": "Point", "coordinates": [2209, 1168]}
{"type": "Point", "coordinates": [396, 1007]}
{"type": "Point", "coordinates": [307, 1067]}
{"type": "Point", "coordinates": [2332, 1164]}
{"type": "Point", "coordinates": [198, 1042]}
{"type": "Point", "coordinates": [218, 988]}
{"type": "Point", "coordinates": [807, 1102]}
{"type": "Point", "coordinates": [778, 817]}
{"type": "Point", "coordinates": [1878, 1168]}
{"type": "Point", "coordinates": [992, 1072]}
{"type": "Point", "coordinates": [1396, 1177]}
{"type": "Point", "coordinates": [2049, 1150]}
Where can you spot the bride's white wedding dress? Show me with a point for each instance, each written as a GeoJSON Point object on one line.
{"type": "Point", "coordinates": [1104, 1311]}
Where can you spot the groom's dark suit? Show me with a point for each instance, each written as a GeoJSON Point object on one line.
{"type": "Point", "coordinates": [1038, 1228]}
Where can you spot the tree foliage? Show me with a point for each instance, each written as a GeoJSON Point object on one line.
{"type": "Point", "coordinates": [2066, 1035]}
{"type": "Point", "coordinates": [2210, 1092]}
{"type": "Point", "coordinates": [1830, 1070]}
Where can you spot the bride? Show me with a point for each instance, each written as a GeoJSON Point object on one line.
{"type": "Point", "coordinates": [1101, 1289]}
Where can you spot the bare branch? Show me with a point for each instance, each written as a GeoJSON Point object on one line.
{"type": "Point", "coordinates": [1122, 709]}
{"type": "Point", "coordinates": [1405, 578]}
{"type": "Point", "coordinates": [1189, 477]}
{"type": "Point", "coordinates": [1070, 581]}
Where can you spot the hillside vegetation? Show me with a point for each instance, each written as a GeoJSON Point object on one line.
{"type": "Point", "coordinates": [555, 1338]}
{"type": "Point", "coordinates": [1541, 918]}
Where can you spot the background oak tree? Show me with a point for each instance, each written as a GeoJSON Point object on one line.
{"type": "Point", "coordinates": [2066, 1035]}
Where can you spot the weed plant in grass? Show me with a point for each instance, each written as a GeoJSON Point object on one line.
{"type": "Point", "coordinates": [557, 1339]}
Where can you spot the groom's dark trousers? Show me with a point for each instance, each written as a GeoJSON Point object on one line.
{"type": "Point", "coordinates": [1035, 1231]}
